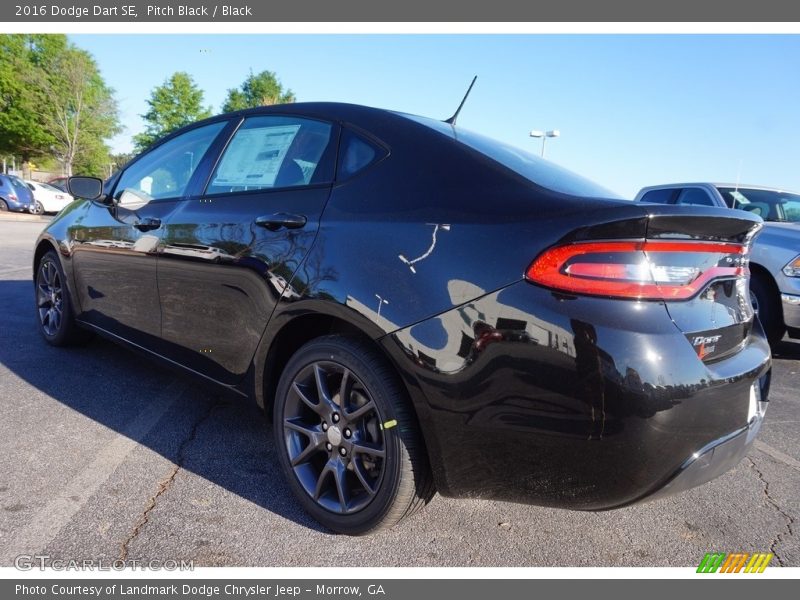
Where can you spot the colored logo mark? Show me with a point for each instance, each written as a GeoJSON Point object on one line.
{"type": "Point", "coordinates": [736, 562]}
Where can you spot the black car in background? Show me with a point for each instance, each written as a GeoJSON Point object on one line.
{"type": "Point", "coordinates": [15, 195]}
{"type": "Point", "coordinates": [421, 308]}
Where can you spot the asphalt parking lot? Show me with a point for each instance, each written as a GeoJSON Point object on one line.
{"type": "Point", "coordinates": [106, 455]}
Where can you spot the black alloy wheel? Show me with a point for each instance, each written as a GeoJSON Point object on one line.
{"type": "Point", "coordinates": [49, 298]}
{"type": "Point", "coordinates": [347, 439]}
{"type": "Point", "coordinates": [334, 436]}
{"type": "Point", "coordinates": [53, 304]}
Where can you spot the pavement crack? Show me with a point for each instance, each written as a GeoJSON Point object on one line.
{"type": "Point", "coordinates": [772, 502]}
{"type": "Point", "coordinates": [166, 482]}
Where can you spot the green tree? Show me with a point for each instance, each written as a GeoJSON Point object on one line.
{"type": "Point", "coordinates": [22, 132]}
{"type": "Point", "coordinates": [54, 103]}
{"type": "Point", "coordinates": [263, 89]}
{"type": "Point", "coordinates": [80, 112]}
{"type": "Point", "coordinates": [174, 104]}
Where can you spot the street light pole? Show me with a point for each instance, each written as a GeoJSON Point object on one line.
{"type": "Point", "coordinates": [552, 133]}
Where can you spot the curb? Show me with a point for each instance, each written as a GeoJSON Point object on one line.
{"type": "Point", "coordinates": [24, 217]}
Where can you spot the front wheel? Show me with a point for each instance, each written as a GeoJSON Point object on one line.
{"type": "Point", "coordinates": [54, 305]}
{"type": "Point", "coordinates": [766, 304]}
{"type": "Point", "coordinates": [37, 208]}
{"type": "Point", "coordinates": [347, 439]}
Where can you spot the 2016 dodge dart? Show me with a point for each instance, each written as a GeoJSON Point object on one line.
{"type": "Point", "coordinates": [421, 308]}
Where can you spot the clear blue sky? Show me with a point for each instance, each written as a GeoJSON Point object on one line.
{"type": "Point", "coordinates": [633, 110]}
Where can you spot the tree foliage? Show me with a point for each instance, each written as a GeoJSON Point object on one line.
{"type": "Point", "coordinates": [174, 104]}
{"type": "Point", "coordinates": [55, 103]}
{"type": "Point", "coordinates": [263, 89]}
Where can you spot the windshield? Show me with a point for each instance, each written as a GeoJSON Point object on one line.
{"type": "Point", "coordinates": [770, 205]}
{"type": "Point", "coordinates": [537, 170]}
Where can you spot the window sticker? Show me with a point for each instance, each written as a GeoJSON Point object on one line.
{"type": "Point", "coordinates": [255, 156]}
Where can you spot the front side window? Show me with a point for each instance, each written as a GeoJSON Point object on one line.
{"type": "Point", "coordinates": [770, 205]}
{"type": "Point", "coordinates": [165, 171]}
{"type": "Point", "coordinates": [274, 152]}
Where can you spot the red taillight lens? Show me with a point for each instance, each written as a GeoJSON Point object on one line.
{"type": "Point", "coordinates": [644, 270]}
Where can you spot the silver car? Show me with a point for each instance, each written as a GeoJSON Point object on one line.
{"type": "Point", "coordinates": [775, 259]}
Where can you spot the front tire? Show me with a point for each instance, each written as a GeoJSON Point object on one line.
{"type": "Point", "coordinates": [38, 208]}
{"type": "Point", "coordinates": [54, 304]}
{"type": "Point", "coordinates": [767, 306]}
{"type": "Point", "coordinates": [347, 439]}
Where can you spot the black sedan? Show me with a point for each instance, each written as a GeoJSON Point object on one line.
{"type": "Point", "coordinates": [421, 308]}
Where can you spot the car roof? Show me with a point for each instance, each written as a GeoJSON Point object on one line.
{"type": "Point", "coordinates": [716, 185]}
{"type": "Point", "coordinates": [357, 114]}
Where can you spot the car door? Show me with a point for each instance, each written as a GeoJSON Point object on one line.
{"type": "Point", "coordinates": [116, 243]}
{"type": "Point", "coordinates": [230, 250]}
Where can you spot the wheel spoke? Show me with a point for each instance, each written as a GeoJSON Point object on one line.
{"type": "Point", "coordinates": [358, 467]}
{"type": "Point", "coordinates": [315, 442]}
{"type": "Point", "coordinates": [368, 448]}
{"type": "Point", "coordinates": [56, 319]}
{"type": "Point", "coordinates": [315, 406]}
{"type": "Point", "coordinates": [339, 474]}
{"type": "Point", "coordinates": [345, 390]}
{"type": "Point", "coordinates": [45, 273]}
{"type": "Point", "coordinates": [322, 384]}
{"type": "Point", "coordinates": [361, 411]}
{"type": "Point", "coordinates": [296, 425]}
{"type": "Point", "coordinates": [323, 476]}
{"type": "Point", "coordinates": [42, 297]}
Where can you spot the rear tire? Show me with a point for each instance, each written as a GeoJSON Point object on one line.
{"type": "Point", "coordinates": [347, 439]}
{"type": "Point", "coordinates": [766, 303]}
{"type": "Point", "coordinates": [54, 308]}
{"type": "Point", "coordinates": [3, 206]}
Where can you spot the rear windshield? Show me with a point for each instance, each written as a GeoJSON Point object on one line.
{"type": "Point", "coordinates": [18, 183]}
{"type": "Point", "coordinates": [770, 205]}
{"type": "Point", "coordinates": [533, 168]}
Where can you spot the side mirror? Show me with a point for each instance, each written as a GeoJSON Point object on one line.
{"type": "Point", "coordinates": [90, 188]}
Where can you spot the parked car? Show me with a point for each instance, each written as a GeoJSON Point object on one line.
{"type": "Point", "coordinates": [775, 258]}
{"type": "Point", "coordinates": [59, 183]}
{"type": "Point", "coordinates": [14, 194]}
{"type": "Point", "coordinates": [458, 315]}
{"type": "Point", "coordinates": [47, 199]}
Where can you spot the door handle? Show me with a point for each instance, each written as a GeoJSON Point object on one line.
{"type": "Point", "coordinates": [278, 220]}
{"type": "Point", "coordinates": [147, 224]}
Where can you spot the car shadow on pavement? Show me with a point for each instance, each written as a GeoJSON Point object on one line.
{"type": "Point", "coordinates": [224, 440]}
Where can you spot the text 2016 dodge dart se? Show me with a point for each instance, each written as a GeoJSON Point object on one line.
{"type": "Point", "coordinates": [421, 308]}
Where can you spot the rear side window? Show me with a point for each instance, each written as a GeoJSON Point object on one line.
{"type": "Point", "coordinates": [695, 196]}
{"type": "Point", "coordinates": [274, 152]}
{"type": "Point", "coordinates": [658, 196]}
{"type": "Point", "coordinates": [356, 153]}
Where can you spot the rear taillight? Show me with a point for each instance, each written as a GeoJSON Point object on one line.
{"type": "Point", "coordinates": [644, 270]}
{"type": "Point", "coordinates": [12, 196]}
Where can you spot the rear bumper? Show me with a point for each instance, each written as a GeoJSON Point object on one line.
{"type": "Point", "coordinates": [583, 403]}
{"type": "Point", "coordinates": [711, 461]}
{"type": "Point", "coordinates": [791, 310]}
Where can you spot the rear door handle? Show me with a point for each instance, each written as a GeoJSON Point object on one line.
{"type": "Point", "coordinates": [278, 220]}
{"type": "Point", "coordinates": [147, 224]}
